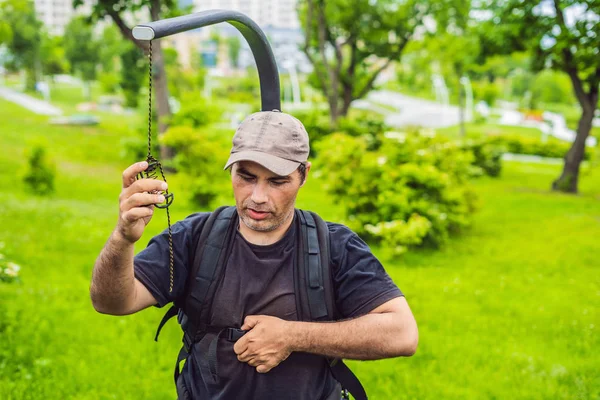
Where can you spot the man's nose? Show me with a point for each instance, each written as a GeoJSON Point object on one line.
{"type": "Point", "coordinates": [259, 194]}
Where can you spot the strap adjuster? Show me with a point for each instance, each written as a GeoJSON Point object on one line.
{"type": "Point", "coordinates": [234, 334]}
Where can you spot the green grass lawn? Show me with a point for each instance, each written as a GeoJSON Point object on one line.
{"type": "Point", "coordinates": [476, 130]}
{"type": "Point", "coordinates": [507, 310]}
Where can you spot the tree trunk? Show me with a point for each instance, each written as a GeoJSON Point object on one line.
{"type": "Point", "coordinates": [30, 79]}
{"type": "Point", "coordinates": [568, 180]}
{"type": "Point", "coordinates": [347, 101]}
{"type": "Point", "coordinates": [159, 76]}
{"type": "Point", "coordinates": [334, 113]}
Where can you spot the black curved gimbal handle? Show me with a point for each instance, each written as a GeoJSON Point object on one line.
{"type": "Point", "coordinates": [263, 54]}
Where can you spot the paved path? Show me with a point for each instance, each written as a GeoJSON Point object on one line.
{"type": "Point", "coordinates": [29, 102]}
{"type": "Point", "coordinates": [412, 111]}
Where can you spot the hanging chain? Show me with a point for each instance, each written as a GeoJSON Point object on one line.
{"type": "Point", "coordinates": [153, 163]}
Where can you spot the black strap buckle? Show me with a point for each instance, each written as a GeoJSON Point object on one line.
{"type": "Point", "coordinates": [234, 334]}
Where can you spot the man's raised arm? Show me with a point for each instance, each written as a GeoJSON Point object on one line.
{"type": "Point", "coordinates": [114, 289]}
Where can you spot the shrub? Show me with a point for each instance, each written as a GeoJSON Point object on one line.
{"type": "Point", "coordinates": [487, 156]}
{"type": "Point", "coordinates": [40, 173]}
{"type": "Point", "coordinates": [357, 123]}
{"type": "Point", "coordinates": [486, 91]}
{"type": "Point", "coordinates": [552, 147]}
{"type": "Point", "coordinates": [196, 112]}
{"type": "Point", "coordinates": [408, 192]}
{"type": "Point", "coordinates": [109, 82]}
{"type": "Point", "coordinates": [134, 148]}
{"type": "Point", "coordinates": [200, 157]}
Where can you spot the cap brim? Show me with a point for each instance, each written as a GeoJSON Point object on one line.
{"type": "Point", "coordinates": [279, 166]}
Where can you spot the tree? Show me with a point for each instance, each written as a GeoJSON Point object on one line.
{"type": "Point", "coordinates": [133, 71]}
{"type": "Point", "coordinates": [233, 46]}
{"type": "Point", "coordinates": [112, 48]}
{"type": "Point", "coordinates": [563, 35]}
{"type": "Point", "coordinates": [22, 33]}
{"type": "Point", "coordinates": [157, 9]}
{"type": "Point", "coordinates": [82, 50]}
{"type": "Point", "coordinates": [349, 42]}
{"type": "Point", "coordinates": [452, 50]}
{"type": "Point", "coordinates": [53, 56]}
{"type": "Point", "coordinates": [5, 32]}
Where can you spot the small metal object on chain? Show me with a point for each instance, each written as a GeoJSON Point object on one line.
{"type": "Point", "coordinates": [154, 166]}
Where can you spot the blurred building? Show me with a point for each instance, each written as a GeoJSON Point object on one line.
{"type": "Point", "coordinates": [277, 18]}
{"type": "Point", "coordinates": [266, 13]}
{"type": "Point", "coordinates": [56, 14]}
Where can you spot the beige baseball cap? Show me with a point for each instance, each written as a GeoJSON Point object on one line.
{"type": "Point", "coordinates": [275, 140]}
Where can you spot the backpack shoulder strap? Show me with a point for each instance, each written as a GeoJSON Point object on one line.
{"type": "Point", "coordinates": [216, 221]}
{"type": "Point", "coordinates": [208, 261]}
{"type": "Point", "coordinates": [317, 291]}
{"type": "Point", "coordinates": [207, 266]}
{"type": "Point", "coordinates": [312, 272]}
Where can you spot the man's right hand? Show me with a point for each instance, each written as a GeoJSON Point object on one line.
{"type": "Point", "coordinates": [136, 202]}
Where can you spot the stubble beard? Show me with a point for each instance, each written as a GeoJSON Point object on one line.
{"type": "Point", "coordinates": [269, 224]}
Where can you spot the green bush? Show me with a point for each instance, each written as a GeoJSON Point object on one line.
{"type": "Point", "coordinates": [200, 157]}
{"type": "Point", "coordinates": [244, 89]}
{"type": "Point", "coordinates": [134, 145]}
{"type": "Point", "coordinates": [487, 156]}
{"type": "Point", "coordinates": [109, 82]}
{"type": "Point", "coordinates": [551, 87]}
{"type": "Point", "coordinates": [486, 91]}
{"type": "Point", "coordinates": [357, 123]}
{"type": "Point", "coordinates": [40, 173]}
{"type": "Point", "coordinates": [552, 147]}
{"type": "Point", "coordinates": [412, 191]}
{"type": "Point", "coordinates": [196, 112]}
{"type": "Point", "coordinates": [134, 148]}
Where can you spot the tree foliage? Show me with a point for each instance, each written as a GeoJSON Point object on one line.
{"type": "Point", "coordinates": [111, 49]}
{"type": "Point", "coordinates": [350, 43]}
{"type": "Point", "coordinates": [81, 49]}
{"type": "Point", "coordinates": [22, 32]}
{"type": "Point", "coordinates": [563, 35]}
{"type": "Point", "coordinates": [134, 69]}
{"type": "Point", "coordinates": [53, 56]}
{"type": "Point", "coordinates": [233, 48]}
{"type": "Point", "coordinates": [156, 9]}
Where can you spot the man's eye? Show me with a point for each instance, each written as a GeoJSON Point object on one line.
{"type": "Point", "coordinates": [246, 178]}
{"type": "Point", "coordinates": [277, 183]}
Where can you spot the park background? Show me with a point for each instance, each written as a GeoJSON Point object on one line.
{"type": "Point", "coordinates": [440, 131]}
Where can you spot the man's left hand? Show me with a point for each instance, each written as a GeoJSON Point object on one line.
{"type": "Point", "coordinates": [266, 344]}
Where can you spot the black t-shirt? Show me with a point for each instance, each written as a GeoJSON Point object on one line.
{"type": "Point", "coordinates": [259, 280]}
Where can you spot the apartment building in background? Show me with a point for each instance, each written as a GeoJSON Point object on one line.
{"type": "Point", "coordinates": [277, 18]}
{"type": "Point", "coordinates": [266, 13]}
{"type": "Point", "coordinates": [56, 14]}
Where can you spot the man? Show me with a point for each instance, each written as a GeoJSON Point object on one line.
{"type": "Point", "coordinates": [279, 357]}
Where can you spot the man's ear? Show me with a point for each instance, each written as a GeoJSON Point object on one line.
{"type": "Point", "coordinates": [308, 165]}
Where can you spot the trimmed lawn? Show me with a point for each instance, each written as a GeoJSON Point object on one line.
{"type": "Point", "coordinates": [509, 309]}
{"type": "Point", "coordinates": [474, 130]}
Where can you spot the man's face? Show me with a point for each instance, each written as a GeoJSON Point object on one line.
{"type": "Point", "coordinates": [264, 200]}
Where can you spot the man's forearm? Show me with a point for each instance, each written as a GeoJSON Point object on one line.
{"type": "Point", "coordinates": [370, 337]}
{"type": "Point", "coordinates": [112, 288]}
